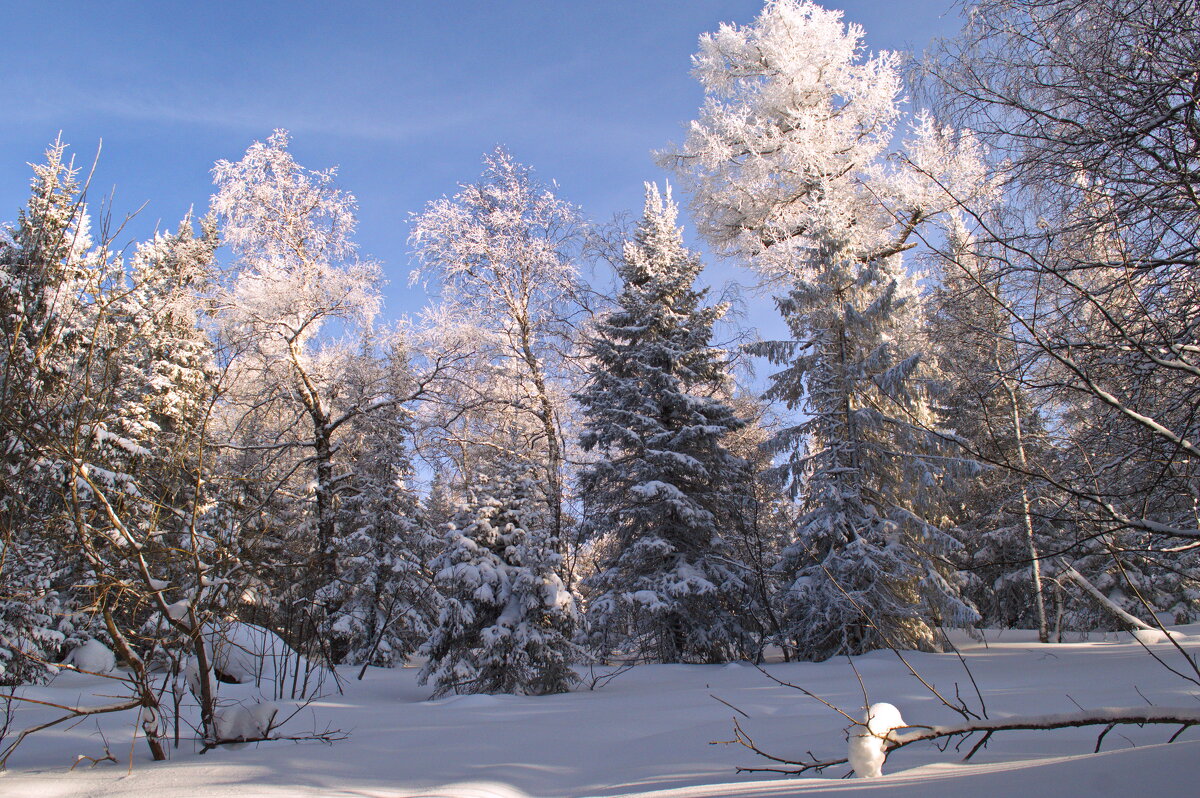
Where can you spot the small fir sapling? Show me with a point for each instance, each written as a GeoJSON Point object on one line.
{"type": "Point", "coordinates": [507, 620]}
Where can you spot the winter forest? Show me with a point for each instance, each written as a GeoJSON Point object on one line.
{"type": "Point", "coordinates": [233, 490]}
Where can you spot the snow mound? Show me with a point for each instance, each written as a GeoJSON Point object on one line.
{"type": "Point", "coordinates": [93, 657]}
{"type": "Point", "coordinates": [243, 653]}
{"type": "Point", "coordinates": [868, 745]}
{"type": "Point", "coordinates": [1151, 636]}
{"type": "Point", "coordinates": [241, 722]}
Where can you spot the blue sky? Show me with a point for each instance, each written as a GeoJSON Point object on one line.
{"type": "Point", "coordinates": [404, 96]}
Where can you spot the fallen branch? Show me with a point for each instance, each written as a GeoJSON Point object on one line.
{"type": "Point", "coordinates": [1108, 717]}
{"type": "Point", "coordinates": [329, 737]}
{"type": "Point", "coordinates": [1132, 621]}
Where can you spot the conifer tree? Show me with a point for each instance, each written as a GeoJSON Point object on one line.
{"type": "Point", "coordinates": [665, 495]}
{"type": "Point", "coordinates": [383, 603]}
{"type": "Point", "coordinates": [41, 330]}
{"type": "Point", "coordinates": [868, 568]}
{"type": "Point", "coordinates": [507, 620]}
{"type": "Point", "coordinates": [158, 383]}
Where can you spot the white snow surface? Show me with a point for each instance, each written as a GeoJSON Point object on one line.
{"type": "Point", "coordinates": [647, 732]}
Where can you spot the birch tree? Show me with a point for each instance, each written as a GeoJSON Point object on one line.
{"type": "Point", "coordinates": [297, 283]}
{"type": "Point", "coordinates": [500, 250]}
{"type": "Point", "coordinates": [1091, 110]}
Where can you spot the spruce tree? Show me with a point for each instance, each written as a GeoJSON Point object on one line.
{"type": "Point", "coordinates": [382, 605]}
{"type": "Point", "coordinates": [665, 494]}
{"type": "Point", "coordinates": [507, 620]}
{"type": "Point", "coordinates": [869, 567]}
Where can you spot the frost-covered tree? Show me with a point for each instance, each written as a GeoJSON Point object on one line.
{"type": "Point", "coordinates": [297, 276]}
{"type": "Point", "coordinates": [768, 514]}
{"type": "Point", "coordinates": [44, 322]}
{"type": "Point", "coordinates": [1091, 111]}
{"type": "Point", "coordinates": [171, 280]}
{"type": "Point", "coordinates": [501, 250]}
{"type": "Point", "coordinates": [786, 168]}
{"type": "Point", "coordinates": [507, 620]}
{"type": "Point", "coordinates": [665, 496]}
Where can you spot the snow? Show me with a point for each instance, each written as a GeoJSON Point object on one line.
{"type": "Point", "coordinates": [93, 657]}
{"type": "Point", "coordinates": [178, 609]}
{"type": "Point", "coordinates": [647, 732]}
{"type": "Point", "coordinates": [246, 721]}
{"type": "Point", "coordinates": [1151, 636]}
{"type": "Point", "coordinates": [867, 747]}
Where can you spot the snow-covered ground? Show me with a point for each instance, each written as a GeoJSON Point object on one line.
{"type": "Point", "coordinates": [648, 732]}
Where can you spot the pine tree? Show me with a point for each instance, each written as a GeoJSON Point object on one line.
{"type": "Point", "coordinates": [768, 515]}
{"type": "Point", "coordinates": [42, 278]}
{"type": "Point", "coordinates": [507, 620]}
{"type": "Point", "coordinates": [665, 495]}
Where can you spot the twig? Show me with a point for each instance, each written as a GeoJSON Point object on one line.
{"type": "Point", "coordinates": [808, 693]}
{"type": "Point", "coordinates": [743, 739]}
{"type": "Point", "coordinates": [731, 706]}
{"type": "Point", "coordinates": [983, 741]}
{"type": "Point", "coordinates": [1100, 739]}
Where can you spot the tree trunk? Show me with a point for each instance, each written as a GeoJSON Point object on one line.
{"type": "Point", "coordinates": [1026, 514]}
{"type": "Point", "coordinates": [546, 416]}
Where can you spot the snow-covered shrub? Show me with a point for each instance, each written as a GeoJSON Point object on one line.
{"type": "Point", "coordinates": [241, 721]}
{"type": "Point", "coordinates": [92, 657]}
